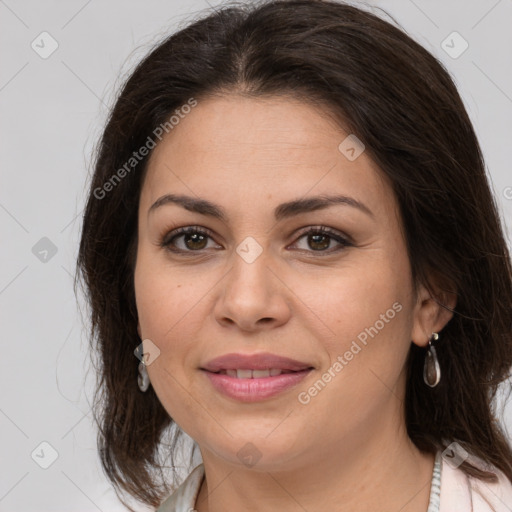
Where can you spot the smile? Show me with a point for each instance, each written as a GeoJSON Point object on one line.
{"type": "Point", "coordinates": [253, 374]}
{"type": "Point", "coordinates": [255, 385]}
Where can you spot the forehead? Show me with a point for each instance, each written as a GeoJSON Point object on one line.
{"type": "Point", "coordinates": [247, 148]}
{"type": "Point", "coordinates": [238, 125]}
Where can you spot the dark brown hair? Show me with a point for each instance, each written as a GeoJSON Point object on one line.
{"type": "Point", "coordinates": [401, 102]}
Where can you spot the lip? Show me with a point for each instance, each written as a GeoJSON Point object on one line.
{"type": "Point", "coordinates": [255, 390]}
{"type": "Point", "coordinates": [260, 361]}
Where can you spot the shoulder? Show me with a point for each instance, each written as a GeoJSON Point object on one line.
{"type": "Point", "coordinates": [183, 499]}
{"type": "Point", "coordinates": [463, 493]}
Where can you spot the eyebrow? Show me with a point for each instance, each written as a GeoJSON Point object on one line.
{"type": "Point", "coordinates": [283, 211]}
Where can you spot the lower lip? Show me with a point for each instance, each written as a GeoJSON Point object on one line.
{"type": "Point", "coordinates": [254, 390]}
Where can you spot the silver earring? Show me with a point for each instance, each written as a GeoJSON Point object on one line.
{"type": "Point", "coordinates": [431, 369]}
{"type": "Point", "coordinates": [143, 378]}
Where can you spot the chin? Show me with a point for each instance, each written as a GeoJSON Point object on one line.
{"type": "Point", "coordinates": [260, 452]}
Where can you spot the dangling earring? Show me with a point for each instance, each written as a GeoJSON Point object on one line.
{"type": "Point", "coordinates": [143, 378]}
{"type": "Point", "coordinates": [431, 369]}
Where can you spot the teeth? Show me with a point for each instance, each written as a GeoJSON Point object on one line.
{"type": "Point", "coordinates": [254, 374]}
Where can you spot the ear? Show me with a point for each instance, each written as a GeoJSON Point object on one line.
{"type": "Point", "coordinates": [138, 330]}
{"type": "Point", "coordinates": [433, 310]}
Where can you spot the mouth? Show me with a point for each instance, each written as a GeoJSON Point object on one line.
{"type": "Point", "coordinates": [265, 362]}
{"type": "Point", "coordinates": [256, 374]}
{"type": "Point", "coordinates": [254, 385]}
{"type": "Point", "coordinates": [254, 377]}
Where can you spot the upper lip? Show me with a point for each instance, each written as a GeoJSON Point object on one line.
{"type": "Point", "coordinates": [261, 361]}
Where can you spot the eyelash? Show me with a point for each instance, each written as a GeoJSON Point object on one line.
{"type": "Point", "coordinates": [168, 239]}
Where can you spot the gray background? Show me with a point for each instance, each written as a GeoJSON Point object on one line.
{"type": "Point", "coordinates": [52, 110]}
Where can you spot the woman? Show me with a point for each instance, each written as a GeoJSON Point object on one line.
{"type": "Point", "coordinates": [290, 225]}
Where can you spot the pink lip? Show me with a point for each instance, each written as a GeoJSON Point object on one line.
{"type": "Point", "coordinates": [254, 390]}
{"type": "Point", "coordinates": [254, 362]}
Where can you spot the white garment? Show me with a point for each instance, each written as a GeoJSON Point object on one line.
{"type": "Point", "coordinates": [458, 492]}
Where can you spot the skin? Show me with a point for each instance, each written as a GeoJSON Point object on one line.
{"type": "Point", "coordinates": [347, 449]}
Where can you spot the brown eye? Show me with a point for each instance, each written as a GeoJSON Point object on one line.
{"type": "Point", "coordinates": [319, 239]}
{"type": "Point", "coordinates": [319, 242]}
{"type": "Point", "coordinates": [194, 240]}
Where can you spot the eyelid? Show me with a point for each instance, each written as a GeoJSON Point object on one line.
{"type": "Point", "coordinates": [174, 233]}
{"type": "Point", "coordinates": [333, 233]}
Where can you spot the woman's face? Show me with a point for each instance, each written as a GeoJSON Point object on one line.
{"type": "Point", "coordinates": [252, 282]}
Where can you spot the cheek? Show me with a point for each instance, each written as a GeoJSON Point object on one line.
{"type": "Point", "coordinates": [367, 352]}
{"type": "Point", "coordinates": [170, 310]}
{"type": "Point", "coordinates": [162, 295]}
{"type": "Point", "coordinates": [369, 314]}
{"type": "Point", "coordinates": [357, 298]}
{"type": "Point", "coordinates": [164, 311]}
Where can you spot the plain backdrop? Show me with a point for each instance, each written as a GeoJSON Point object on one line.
{"type": "Point", "coordinates": [53, 107]}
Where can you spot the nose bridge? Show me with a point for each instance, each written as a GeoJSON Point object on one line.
{"type": "Point", "coordinates": [250, 268]}
{"type": "Point", "coordinates": [251, 292]}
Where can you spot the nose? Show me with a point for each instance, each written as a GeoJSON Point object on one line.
{"type": "Point", "coordinates": [254, 296]}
